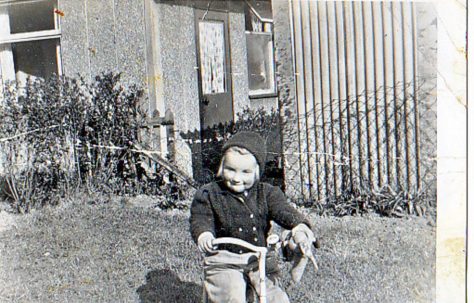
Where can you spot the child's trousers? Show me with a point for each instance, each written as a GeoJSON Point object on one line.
{"type": "Point", "coordinates": [227, 276]}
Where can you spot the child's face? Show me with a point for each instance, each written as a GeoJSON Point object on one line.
{"type": "Point", "coordinates": [238, 171]}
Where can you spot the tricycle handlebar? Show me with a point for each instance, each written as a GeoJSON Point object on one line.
{"type": "Point", "coordinates": [261, 252]}
{"type": "Point", "coordinates": [239, 242]}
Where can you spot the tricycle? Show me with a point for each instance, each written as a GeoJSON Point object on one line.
{"type": "Point", "coordinates": [273, 244]}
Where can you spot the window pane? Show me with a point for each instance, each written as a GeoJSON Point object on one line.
{"type": "Point", "coordinates": [212, 55]}
{"type": "Point", "coordinates": [31, 16]}
{"type": "Point", "coordinates": [35, 58]}
{"type": "Point", "coordinates": [253, 23]}
{"type": "Point", "coordinates": [260, 63]}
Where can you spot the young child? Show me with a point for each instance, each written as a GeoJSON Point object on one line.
{"type": "Point", "coordinates": [238, 205]}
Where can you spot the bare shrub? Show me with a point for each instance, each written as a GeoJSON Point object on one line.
{"type": "Point", "coordinates": [64, 133]}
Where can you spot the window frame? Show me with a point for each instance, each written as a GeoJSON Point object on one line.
{"type": "Point", "coordinates": [7, 39]}
{"type": "Point", "coordinates": [269, 93]}
{"type": "Point", "coordinates": [266, 29]}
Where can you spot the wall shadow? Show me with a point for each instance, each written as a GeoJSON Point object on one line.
{"type": "Point", "coordinates": [165, 286]}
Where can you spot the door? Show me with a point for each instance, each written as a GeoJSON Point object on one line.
{"type": "Point", "coordinates": [215, 82]}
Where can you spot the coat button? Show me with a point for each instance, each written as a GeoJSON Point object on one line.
{"type": "Point", "coordinates": [255, 239]}
{"type": "Point", "coordinates": [240, 228]}
{"type": "Point", "coordinates": [251, 215]}
{"type": "Point", "coordinates": [254, 228]}
{"type": "Point", "coordinates": [240, 252]}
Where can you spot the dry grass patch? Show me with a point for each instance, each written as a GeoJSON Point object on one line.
{"type": "Point", "coordinates": [115, 252]}
{"type": "Point", "coordinates": [372, 259]}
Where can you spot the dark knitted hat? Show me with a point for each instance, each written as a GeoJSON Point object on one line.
{"type": "Point", "coordinates": [252, 142]}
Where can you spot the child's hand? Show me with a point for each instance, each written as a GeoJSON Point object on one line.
{"type": "Point", "coordinates": [303, 236]}
{"type": "Point", "coordinates": [205, 242]}
{"type": "Point", "coordinates": [302, 233]}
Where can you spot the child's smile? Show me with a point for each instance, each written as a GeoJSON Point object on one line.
{"type": "Point", "coordinates": [239, 171]}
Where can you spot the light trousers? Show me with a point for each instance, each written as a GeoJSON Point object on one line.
{"type": "Point", "coordinates": [228, 279]}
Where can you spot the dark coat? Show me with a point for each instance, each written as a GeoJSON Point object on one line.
{"type": "Point", "coordinates": [225, 214]}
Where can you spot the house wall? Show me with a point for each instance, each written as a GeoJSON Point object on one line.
{"type": "Point", "coordinates": [287, 95]}
{"type": "Point", "coordinates": [175, 45]}
{"type": "Point", "coordinates": [175, 75]}
{"type": "Point", "coordinates": [175, 65]}
{"type": "Point", "coordinates": [111, 35]}
{"type": "Point", "coordinates": [153, 44]}
{"type": "Point", "coordinates": [238, 54]}
{"type": "Point", "coordinates": [103, 35]}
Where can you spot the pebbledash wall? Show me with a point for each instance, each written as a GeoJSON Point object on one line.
{"type": "Point", "coordinates": [152, 43]}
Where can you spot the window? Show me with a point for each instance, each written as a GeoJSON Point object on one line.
{"type": "Point", "coordinates": [29, 39]}
{"type": "Point", "coordinates": [260, 57]}
{"type": "Point", "coordinates": [260, 64]}
{"type": "Point", "coordinates": [212, 52]}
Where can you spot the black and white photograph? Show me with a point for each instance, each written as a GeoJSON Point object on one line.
{"type": "Point", "coordinates": [233, 151]}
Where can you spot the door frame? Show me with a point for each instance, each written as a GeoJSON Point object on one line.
{"type": "Point", "coordinates": [220, 16]}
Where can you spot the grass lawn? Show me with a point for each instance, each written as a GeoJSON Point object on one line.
{"type": "Point", "coordinates": [117, 252]}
